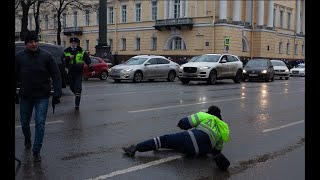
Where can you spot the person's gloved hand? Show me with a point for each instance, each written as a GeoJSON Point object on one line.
{"type": "Point", "coordinates": [55, 100]}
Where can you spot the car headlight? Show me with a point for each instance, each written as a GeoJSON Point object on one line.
{"type": "Point", "coordinates": [244, 71]}
{"type": "Point", "coordinates": [205, 67]}
{"type": "Point", "coordinates": [264, 71]}
{"type": "Point", "coordinates": [181, 68]}
{"type": "Point", "coordinates": [286, 70]}
{"type": "Point", "coordinates": [127, 70]}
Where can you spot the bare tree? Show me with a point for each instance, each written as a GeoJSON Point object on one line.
{"type": "Point", "coordinates": [60, 8]}
{"type": "Point", "coordinates": [17, 3]}
{"type": "Point", "coordinates": [25, 6]}
{"type": "Point", "coordinates": [36, 12]}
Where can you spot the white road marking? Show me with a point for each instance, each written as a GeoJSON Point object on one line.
{"type": "Point", "coordinates": [135, 168]}
{"type": "Point", "coordinates": [51, 122]}
{"type": "Point", "coordinates": [167, 107]}
{"type": "Point", "coordinates": [283, 126]}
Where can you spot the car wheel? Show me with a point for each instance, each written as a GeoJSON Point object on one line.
{"type": "Point", "coordinates": [185, 81]}
{"type": "Point", "coordinates": [238, 77]}
{"type": "Point", "coordinates": [137, 77]}
{"type": "Point", "coordinates": [212, 77]}
{"type": "Point", "coordinates": [104, 75]}
{"type": "Point", "coordinates": [286, 78]}
{"type": "Point", "coordinates": [117, 80]}
{"type": "Point", "coordinates": [171, 76]}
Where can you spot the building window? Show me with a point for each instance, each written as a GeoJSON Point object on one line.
{"type": "Point", "coordinates": [153, 43]}
{"type": "Point", "coordinates": [97, 18]}
{"type": "Point", "coordinates": [55, 21]}
{"type": "Point", "coordinates": [123, 13]}
{"type": "Point", "coordinates": [138, 12]}
{"type": "Point", "coordinates": [296, 49]}
{"type": "Point", "coordinates": [110, 18]}
{"type": "Point", "coordinates": [288, 48]}
{"type": "Point", "coordinates": [154, 10]}
{"type": "Point", "coordinates": [75, 19]}
{"type": "Point", "coordinates": [176, 43]}
{"type": "Point", "coordinates": [87, 18]}
{"type": "Point", "coordinates": [110, 43]}
{"type": "Point", "coordinates": [64, 20]}
{"type": "Point", "coordinates": [87, 45]}
{"type": "Point", "coordinates": [30, 23]}
{"type": "Point", "coordinates": [274, 17]}
{"type": "Point", "coordinates": [176, 8]}
{"type": "Point", "coordinates": [280, 47]}
{"type": "Point", "coordinates": [302, 49]}
{"type": "Point", "coordinates": [289, 21]}
{"type": "Point", "coordinates": [281, 19]}
{"type": "Point", "coordinates": [46, 22]}
{"type": "Point", "coordinates": [138, 43]}
{"type": "Point", "coordinates": [123, 44]}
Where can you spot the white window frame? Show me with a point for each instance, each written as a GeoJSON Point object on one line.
{"type": "Point", "coordinates": [75, 19]}
{"type": "Point", "coordinates": [154, 10]}
{"type": "Point", "coordinates": [123, 13]}
{"type": "Point", "coordinates": [123, 44]}
{"type": "Point", "coordinates": [288, 20]}
{"type": "Point", "coordinates": [176, 8]}
{"type": "Point", "coordinates": [87, 17]}
{"type": "Point", "coordinates": [111, 15]}
{"type": "Point", "coordinates": [288, 48]}
{"type": "Point", "coordinates": [138, 43]}
{"type": "Point", "coordinates": [281, 19]}
{"type": "Point", "coordinates": [64, 20]}
{"type": "Point", "coordinates": [154, 43]}
{"type": "Point", "coordinates": [138, 12]}
{"type": "Point", "coordinates": [55, 21]}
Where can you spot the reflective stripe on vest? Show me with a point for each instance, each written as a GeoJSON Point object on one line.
{"type": "Point", "coordinates": [194, 142]}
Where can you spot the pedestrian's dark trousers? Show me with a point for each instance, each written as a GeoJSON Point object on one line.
{"type": "Point", "coordinates": [192, 142]}
{"type": "Point", "coordinates": [76, 85]}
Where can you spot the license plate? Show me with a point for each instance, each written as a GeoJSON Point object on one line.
{"type": "Point", "coordinates": [253, 74]}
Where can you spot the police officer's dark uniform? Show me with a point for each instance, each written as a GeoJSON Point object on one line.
{"type": "Point", "coordinates": [75, 68]}
{"type": "Point", "coordinates": [203, 139]}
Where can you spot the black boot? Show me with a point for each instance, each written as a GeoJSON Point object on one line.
{"type": "Point", "coordinates": [27, 143]}
{"type": "Point", "coordinates": [222, 162]}
{"type": "Point", "coordinates": [131, 150]}
{"type": "Point", "coordinates": [77, 102]}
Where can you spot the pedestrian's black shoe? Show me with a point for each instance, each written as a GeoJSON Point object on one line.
{"type": "Point", "coordinates": [36, 157]}
{"type": "Point", "coordinates": [27, 143]}
{"type": "Point", "coordinates": [130, 151]}
{"type": "Point", "coordinates": [76, 108]}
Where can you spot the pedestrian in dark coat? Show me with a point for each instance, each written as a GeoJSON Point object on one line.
{"type": "Point", "coordinates": [35, 68]}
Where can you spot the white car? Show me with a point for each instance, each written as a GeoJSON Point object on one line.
{"type": "Point", "coordinates": [280, 69]}
{"type": "Point", "coordinates": [145, 67]}
{"type": "Point", "coordinates": [210, 68]}
{"type": "Point", "coordinates": [298, 71]}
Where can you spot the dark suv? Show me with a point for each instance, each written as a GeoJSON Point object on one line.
{"type": "Point", "coordinates": [57, 53]}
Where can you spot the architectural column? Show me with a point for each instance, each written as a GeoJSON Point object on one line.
{"type": "Point", "coordinates": [248, 10]}
{"type": "Point", "coordinates": [303, 16]}
{"type": "Point", "coordinates": [223, 9]}
{"type": "Point", "coordinates": [236, 10]}
{"type": "Point", "coordinates": [260, 13]}
{"type": "Point", "coordinates": [270, 10]}
{"type": "Point", "coordinates": [170, 9]}
{"type": "Point", "coordinates": [297, 16]}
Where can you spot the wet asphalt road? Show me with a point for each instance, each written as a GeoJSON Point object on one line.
{"type": "Point", "coordinates": [266, 120]}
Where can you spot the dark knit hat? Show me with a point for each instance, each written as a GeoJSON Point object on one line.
{"type": "Point", "coordinates": [31, 35]}
{"type": "Point", "coordinates": [214, 110]}
{"type": "Point", "coordinates": [74, 39]}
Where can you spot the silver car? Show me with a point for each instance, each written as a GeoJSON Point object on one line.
{"type": "Point", "coordinates": [210, 68]}
{"type": "Point", "coordinates": [145, 67]}
{"type": "Point", "coordinates": [280, 69]}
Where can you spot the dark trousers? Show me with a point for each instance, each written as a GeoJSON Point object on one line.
{"type": "Point", "coordinates": [180, 142]}
{"type": "Point", "coordinates": [76, 85]}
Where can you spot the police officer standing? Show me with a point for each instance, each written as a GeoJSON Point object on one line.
{"type": "Point", "coordinates": [75, 57]}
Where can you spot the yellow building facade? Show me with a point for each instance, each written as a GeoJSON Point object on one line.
{"type": "Point", "coordinates": [183, 28]}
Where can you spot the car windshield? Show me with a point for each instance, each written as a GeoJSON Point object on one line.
{"type": "Point", "coordinates": [194, 58]}
{"type": "Point", "coordinates": [301, 66]}
{"type": "Point", "coordinates": [257, 63]}
{"type": "Point", "coordinates": [207, 58]}
{"type": "Point", "coordinates": [278, 63]}
{"type": "Point", "coordinates": [135, 61]}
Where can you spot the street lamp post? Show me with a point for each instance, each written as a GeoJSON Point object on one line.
{"type": "Point", "coordinates": [103, 49]}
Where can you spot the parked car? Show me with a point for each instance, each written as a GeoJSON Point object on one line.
{"type": "Point", "coordinates": [57, 53]}
{"type": "Point", "coordinates": [210, 68]}
{"type": "Point", "coordinates": [100, 67]}
{"type": "Point", "coordinates": [147, 67]}
{"type": "Point", "coordinates": [280, 69]}
{"type": "Point", "coordinates": [258, 69]}
{"type": "Point", "coordinates": [298, 71]}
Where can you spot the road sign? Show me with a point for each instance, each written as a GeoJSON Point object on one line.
{"type": "Point", "coordinates": [227, 41]}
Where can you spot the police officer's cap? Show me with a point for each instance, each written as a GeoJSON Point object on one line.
{"type": "Point", "coordinates": [74, 39]}
{"type": "Point", "coordinates": [214, 110]}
